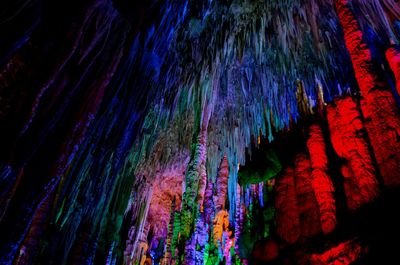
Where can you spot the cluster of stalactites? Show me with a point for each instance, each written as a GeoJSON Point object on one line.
{"type": "Point", "coordinates": [354, 129]}
{"type": "Point", "coordinates": [270, 89]}
{"type": "Point", "coordinates": [305, 193]}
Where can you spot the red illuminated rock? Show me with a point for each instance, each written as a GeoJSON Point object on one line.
{"type": "Point", "coordinates": [287, 210]}
{"type": "Point", "coordinates": [348, 139]}
{"type": "Point", "coordinates": [377, 102]}
{"type": "Point", "coordinates": [308, 207]}
{"type": "Point", "coordinates": [266, 251]}
{"type": "Point", "coordinates": [320, 181]}
{"type": "Point", "coordinates": [393, 57]}
{"type": "Point", "coordinates": [343, 254]}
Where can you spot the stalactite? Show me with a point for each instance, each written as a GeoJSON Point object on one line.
{"type": "Point", "coordinates": [320, 181]}
{"type": "Point", "coordinates": [377, 102]}
{"type": "Point", "coordinates": [303, 103]}
{"type": "Point", "coordinates": [393, 57]}
{"type": "Point", "coordinates": [310, 224]}
{"type": "Point", "coordinates": [287, 210]}
{"type": "Point", "coordinates": [127, 85]}
{"type": "Point", "coordinates": [348, 138]}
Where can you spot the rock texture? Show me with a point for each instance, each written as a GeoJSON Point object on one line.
{"type": "Point", "coordinates": [310, 223]}
{"type": "Point", "coordinates": [287, 210]}
{"type": "Point", "coordinates": [377, 102]}
{"type": "Point", "coordinates": [343, 254]}
{"type": "Point", "coordinates": [221, 188]}
{"type": "Point", "coordinates": [320, 181]}
{"type": "Point", "coordinates": [393, 57]}
{"type": "Point", "coordinates": [349, 139]}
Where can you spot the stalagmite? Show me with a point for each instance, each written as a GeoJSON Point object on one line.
{"type": "Point", "coordinates": [221, 185]}
{"type": "Point", "coordinates": [238, 218]}
{"type": "Point", "coordinates": [143, 245]}
{"type": "Point", "coordinates": [310, 224]}
{"type": "Point", "coordinates": [221, 224]}
{"type": "Point", "coordinates": [201, 237]}
{"type": "Point", "coordinates": [195, 246]}
{"type": "Point", "coordinates": [287, 210]}
{"type": "Point", "coordinates": [377, 102]}
{"type": "Point", "coordinates": [156, 132]}
{"type": "Point", "coordinates": [209, 206]}
{"type": "Point", "coordinates": [195, 182]}
{"type": "Point", "coordinates": [202, 168]}
{"type": "Point", "coordinates": [175, 235]}
{"type": "Point", "coordinates": [348, 138]}
{"type": "Point", "coordinates": [167, 254]}
{"type": "Point", "coordinates": [320, 181]}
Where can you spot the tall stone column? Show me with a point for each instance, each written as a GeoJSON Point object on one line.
{"type": "Point", "coordinates": [348, 139]}
{"type": "Point", "coordinates": [377, 102]}
{"type": "Point", "coordinates": [320, 181]}
{"type": "Point", "coordinates": [310, 224]}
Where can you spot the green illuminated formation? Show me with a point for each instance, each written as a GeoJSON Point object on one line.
{"type": "Point", "coordinates": [260, 171]}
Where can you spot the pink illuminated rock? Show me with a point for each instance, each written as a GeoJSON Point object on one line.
{"type": "Point", "coordinates": [221, 185]}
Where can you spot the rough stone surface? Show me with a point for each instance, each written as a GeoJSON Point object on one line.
{"type": "Point", "coordinates": [377, 102]}
{"type": "Point", "coordinates": [320, 181]}
{"type": "Point", "coordinates": [348, 137]}
{"type": "Point", "coordinates": [287, 210]}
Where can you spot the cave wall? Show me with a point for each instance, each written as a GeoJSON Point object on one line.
{"type": "Point", "coordinates": [188, 132]}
